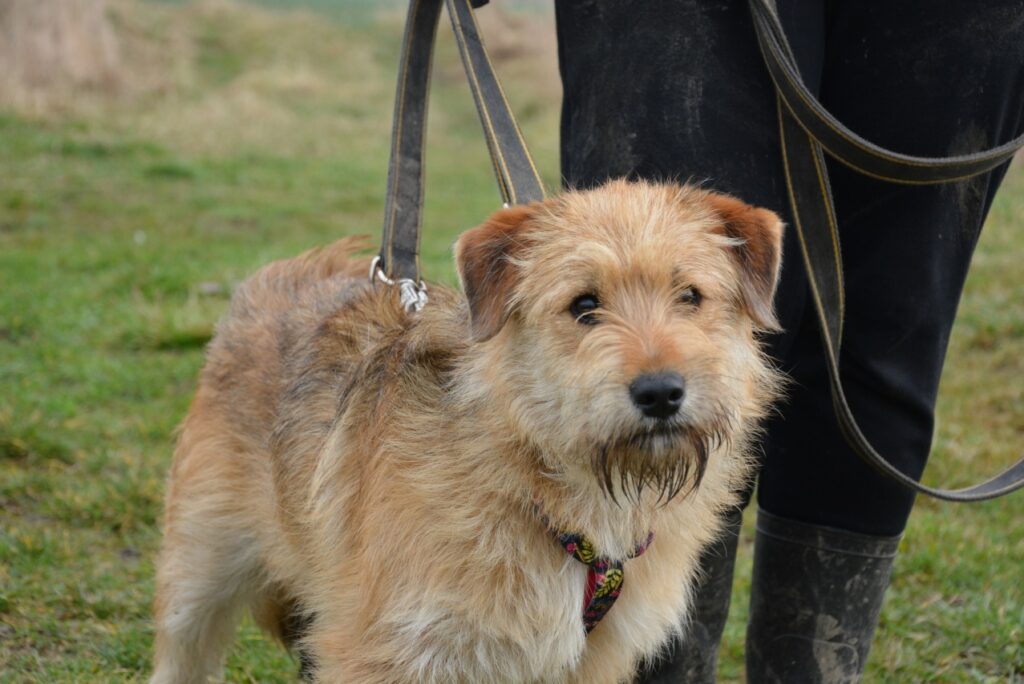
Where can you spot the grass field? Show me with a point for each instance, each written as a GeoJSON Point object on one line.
{"type": "Point", "coordinates": [126, 221]}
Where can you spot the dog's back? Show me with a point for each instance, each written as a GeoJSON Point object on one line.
{"type": "Point", "coordinates": [272, 317]}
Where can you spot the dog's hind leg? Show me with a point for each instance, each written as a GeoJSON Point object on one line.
{"type": "Point", "coordinates": [208, 571]}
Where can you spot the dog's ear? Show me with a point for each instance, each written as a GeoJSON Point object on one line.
{"type": "Point", "coordinates": [758, 252]}
{"type": "Point", "coordinates": [485, 257]}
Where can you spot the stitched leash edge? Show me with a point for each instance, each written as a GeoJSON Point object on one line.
{"type": "Point", "coordinates": [403, 204]}
{"type": "Point", "coordinates": [805, 130]}
{"type": "Point", "coordinates": [843, 144]}
{"type": "Point", "coordinates": [517, 175]}
{"type": "Point", "coordinates": [518, 180]}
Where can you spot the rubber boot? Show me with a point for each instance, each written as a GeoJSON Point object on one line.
{"type": "Point", "coordinates": [815, 600]}
{"type": "Point", "coordinates": [694, 659]}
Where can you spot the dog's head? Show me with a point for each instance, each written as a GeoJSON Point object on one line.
{"type": "Point", "coordinates": [622, 325]}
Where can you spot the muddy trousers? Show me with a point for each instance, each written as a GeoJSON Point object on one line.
{"type": "Point", "coordinates": [676, 90]}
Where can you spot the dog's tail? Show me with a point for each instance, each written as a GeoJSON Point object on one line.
{"type": "Point", "coordinates": [281, 285]}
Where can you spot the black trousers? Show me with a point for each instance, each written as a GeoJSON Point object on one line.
{"type": "Point", "coordinates": [676, 90]}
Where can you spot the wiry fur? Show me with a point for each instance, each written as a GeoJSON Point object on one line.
{"type": "Point", "coordinates": [371, 476]}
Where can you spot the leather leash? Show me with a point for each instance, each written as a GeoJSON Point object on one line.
{"type": "Point", "coordinates": [518, 180]}
{"type": "Point", "coordinates": [807, 130]}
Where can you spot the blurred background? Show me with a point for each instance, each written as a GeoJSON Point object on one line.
{"type": "Point", "coordinates": [153, 153]}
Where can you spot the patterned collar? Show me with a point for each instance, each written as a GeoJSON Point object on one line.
{"type": "Point", "coordinates": [604, 575]}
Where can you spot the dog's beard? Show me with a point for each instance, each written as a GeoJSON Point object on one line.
{"type": "Point", "coordinates": [663, 459]}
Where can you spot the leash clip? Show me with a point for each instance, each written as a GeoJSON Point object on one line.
{"type": "Point", "coordinates": [411, 294]}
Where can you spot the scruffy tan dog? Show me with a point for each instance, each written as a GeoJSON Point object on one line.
{"type": "Point", "coordinates": [386, 491]}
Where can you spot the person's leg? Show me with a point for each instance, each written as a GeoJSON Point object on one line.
{"type": "Point", "coordinates": [675, 91]}
{"type": "Point", "coordinates": [694, 659]}
{"type": "Point", "coordinates": [927, 78]}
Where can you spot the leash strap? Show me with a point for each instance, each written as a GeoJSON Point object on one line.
{"type": "Point", "coordinates": [518, 180]}
{"type": "Point", "coordinates": [517, 175]}
{"type": "Point", "coordinates": [806, 129]}
{"type": "Point", "coordinates": [400, 243]}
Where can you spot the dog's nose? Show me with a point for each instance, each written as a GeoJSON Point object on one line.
{"type": "Point", "coordinates": [658, 395]}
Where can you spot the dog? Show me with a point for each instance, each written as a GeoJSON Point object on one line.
{"type": "Point", "coordinates": [446, 496]}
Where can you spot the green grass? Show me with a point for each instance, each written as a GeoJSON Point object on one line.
{"type": "Point", "coordinates": [124, 228]}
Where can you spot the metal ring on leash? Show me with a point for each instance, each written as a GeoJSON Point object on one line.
{"type": "Point", "coordinates": [412, 295]}
{"type": "Point", "coordinates": [518, 179]}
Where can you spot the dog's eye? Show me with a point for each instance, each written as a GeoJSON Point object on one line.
{"type": "Point", "coordinates": [691, 296]}
{"type": "Point", "coordinates": [583, 307]}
